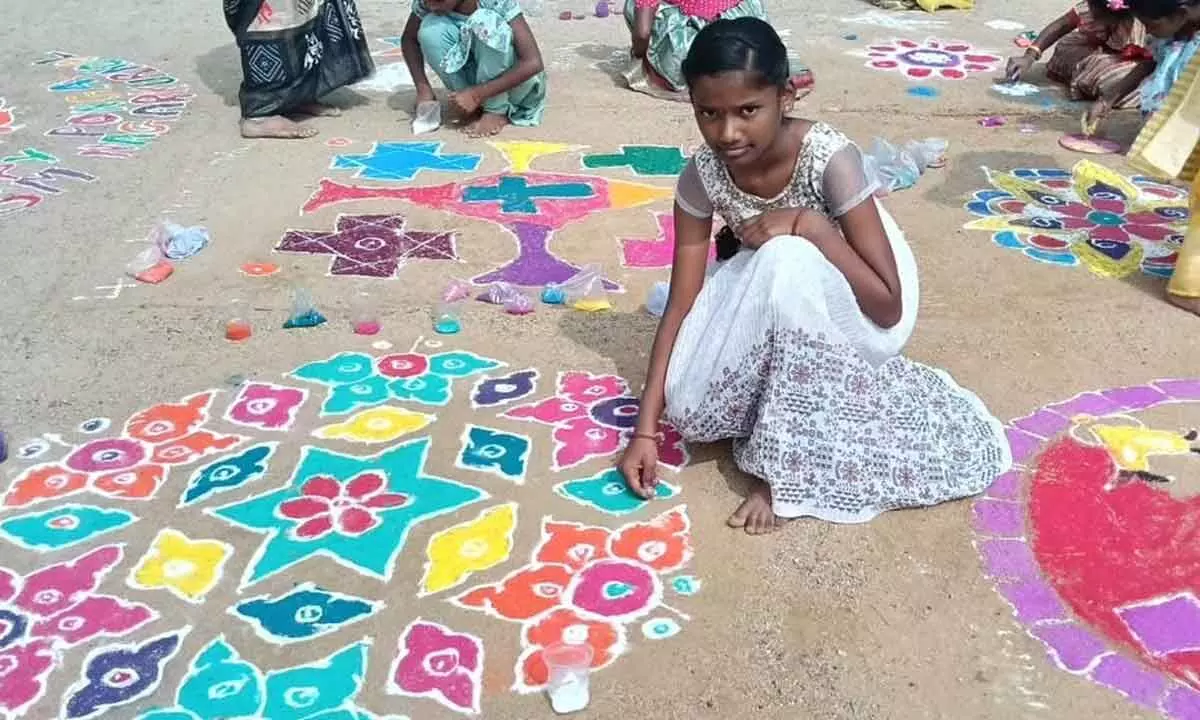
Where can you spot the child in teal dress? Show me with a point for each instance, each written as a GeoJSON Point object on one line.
{"type": "Point", "coordinates": [485, 55]}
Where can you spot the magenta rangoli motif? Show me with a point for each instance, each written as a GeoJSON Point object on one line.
{"type": "Point", "coordinates": [594, 416]}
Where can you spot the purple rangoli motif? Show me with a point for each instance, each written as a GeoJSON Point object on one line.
{"type": "Point", "coordinates": [116, 675]}
{"type": "Point", "coordinates": [371, 245]}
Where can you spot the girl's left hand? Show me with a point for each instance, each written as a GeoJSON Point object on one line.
{"type": "Point", "coordinates": [467, 101]}
{"type": "Point", "coordinates": [755, 232]}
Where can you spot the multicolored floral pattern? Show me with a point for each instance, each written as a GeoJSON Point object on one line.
{"type": "Point", "coordinates": [439, 664]}
{"type": "Point", "coordinates": [356, 380]}
{"type": "Point", "coordinates": [129, 467]}
{"type": "Point", "coordinates": [51, 610]}
{"type": "Point", "coordinates": [946, 59]}
{"type": "Point", "coordinates": [1112, 224]}
{"type": "Point", "coordinates": [585, 584]}
{"type": "Point", "coordinates": [594, 416]}
{"type": "Point", "coordinates": [582, 584]}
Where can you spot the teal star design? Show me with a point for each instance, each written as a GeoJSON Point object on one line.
{"type": "Point", "coordinates": [371, 553]}
{"type": "Point", "coordinates": [404, 161]}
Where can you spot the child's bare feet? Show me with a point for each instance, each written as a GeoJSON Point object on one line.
{"type": "Point", "coordinates": [755, 515]}
{"type": "Point", "coordinates": [276, 126]}
{"type": "Point", "coordinates": [316, 109]}
{"type": "Point", "coordinates": [487, 125]}
{"type": "Point", "coordinates": [1192, 305]}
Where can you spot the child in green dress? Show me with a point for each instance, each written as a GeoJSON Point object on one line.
{"type": "Point", "coordinates": [485, 54]}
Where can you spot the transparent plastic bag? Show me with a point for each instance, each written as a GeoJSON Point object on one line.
{"type": "Point", "coordinates": [896, 168]}
{"type": "Point", "coordinates": [585, 291]}
{"type": "Point", "coordinates": [178, 242]}
{"type": "Point", "coordinates": [457, 290]}
{"type": "Point", "coordinates": [427, 118]}
{"type": "Point", "coordinates": [519, 304]}
{"type": "Point", "coordinates": [500, 293]}
{"type": "Point", "coordinates": [656, 299]}
{"type": "Point", "coordinates": [149, 266]}
{"type": "Point", "coordinates": [304, 312]}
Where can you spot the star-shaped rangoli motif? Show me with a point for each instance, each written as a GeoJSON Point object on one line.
{"type": "Point", "coordinates": [404, 161]}
{"type": "Point", "coordinates": [355, 510]}
{"type": "Point", "coordinates": [370, 245]}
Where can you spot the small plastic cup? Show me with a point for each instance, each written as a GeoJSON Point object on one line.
{"type": "Point", "coordinates": [446, 319]}
{"type": "Point", "coordinates": [570, 667]}
{"type": "Point", "coordinates": [237, 330]}
{"type": "Point", "coordinates": [364, 319]}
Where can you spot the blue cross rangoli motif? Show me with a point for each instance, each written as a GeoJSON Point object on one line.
{"type": "Point", "coordinates": [515, 195]}
{"type": "Point", "coordinates": [404, 161]}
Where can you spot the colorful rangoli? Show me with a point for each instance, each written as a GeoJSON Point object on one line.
{"type": "Point", "coordinates": [1094, 547]}
{"type": "Point", "coordinates": [251, 516]}
{"type": "Point", "coordinates": [1112, 224]}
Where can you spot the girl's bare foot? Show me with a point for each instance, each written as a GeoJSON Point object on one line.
{"type": "Point", "coordinates": [316, 109]}
{"type": "Point", "coordinates": [755, 515]}
{"type": "Point", "coordinates": [487, 125]}
{"type": "Point", "coordinates": [1192, 305]}
{"type": "Point", "coordinates": [276, 126]}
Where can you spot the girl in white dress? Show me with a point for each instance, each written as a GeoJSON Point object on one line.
{"type": "Point", "coordinates": [790, 345]}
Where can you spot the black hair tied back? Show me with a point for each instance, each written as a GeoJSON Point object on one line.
{"type": "Point", "coordinates": [744, 44]}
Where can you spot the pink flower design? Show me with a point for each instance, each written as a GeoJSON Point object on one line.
{"type": "Point", "coordinates": [326, 506]}
{"type": "Point", "coordinates": [439, 664]}
{"type": "Point", "coordinates": [950, 60]}
{"type": "Point", "coordinates": [594, 416]}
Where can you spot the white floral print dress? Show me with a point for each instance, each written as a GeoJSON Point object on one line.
{"type": "Point", "coordinates": [777, 355]}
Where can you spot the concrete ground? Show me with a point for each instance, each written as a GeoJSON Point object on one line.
{"type": "Point", "coordinates": [893, 619]}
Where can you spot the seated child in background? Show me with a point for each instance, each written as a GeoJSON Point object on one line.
{"type": "Point", "coordinates": [1174, 25]}
{"type": "Point", "coordinates": [1100, 54]}
{"type": "Point", "coordinates": [485, 55]}
{"type": "Point", "coordinates": [1168, 145]}
{"type": "Point", "coordinates": [663, 30]}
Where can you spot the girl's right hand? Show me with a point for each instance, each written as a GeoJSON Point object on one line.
{"type": "Point", "coordinates": [1018, 66]}
{"type": "Point", "coordinates": [639, 465]}
{"type": "Point", "coordinates": [425, 94]}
